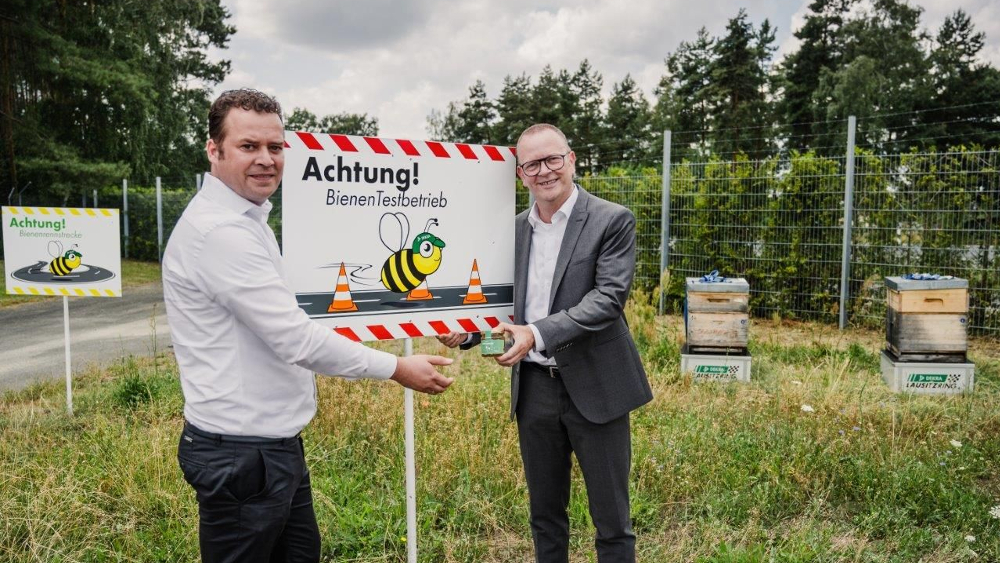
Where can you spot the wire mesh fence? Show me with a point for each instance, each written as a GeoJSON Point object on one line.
{"type": "Point", "coordinates": [927, 212]}
{"type": "Point", "coordinates": [779, 222]}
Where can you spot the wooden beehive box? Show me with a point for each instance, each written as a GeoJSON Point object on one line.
{"type": "Point", "coordinates": [717, 314]}
{"type": "Point", "coordinates": [927, 319]}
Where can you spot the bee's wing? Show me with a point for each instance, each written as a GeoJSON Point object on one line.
{"type": "Point", "coordinates": [55, 248]}
{"type": "Point", "coordinates": [389, 225]}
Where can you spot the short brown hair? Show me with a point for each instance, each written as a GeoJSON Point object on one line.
{"type": "Point", "coordinates": [245, 98]}
{"type": "Point", "coordinates": [538, 128]}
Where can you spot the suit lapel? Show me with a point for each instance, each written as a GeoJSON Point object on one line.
{"type": "Point", "coordinates": [573, 229]}
{"type": "Point", "coordinates": [522, 248]}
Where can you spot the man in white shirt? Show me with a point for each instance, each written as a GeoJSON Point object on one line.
{"type": "Point", "coordinates": [247, 352]}
{"type": "Point", "coordinates": [576, 372]}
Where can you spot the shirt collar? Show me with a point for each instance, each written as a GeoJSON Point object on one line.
{"type": "Point", "coordinates": [217, 191]}
{"type": "Point", "coordinates": [561, 214]}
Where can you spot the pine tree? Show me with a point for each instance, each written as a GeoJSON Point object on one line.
{"type": "Point", "coordinates": [885, 70]}
{"type": "Point", "coordinates": [966, 92]}
{"type": "Point", "coordinates": [514, 109]}
{"type": "Point", "coordinates": [545, 99]}
{"type": "Point", "coordinates": [820, 49]}
{"type": "Point", "coordinates": [476, 117]}
{"type": "Point", "coordinates": [739, 77]}
{"type": "Point", "coordinates": [587, 131]}
{"type": "Point", "coordinates": [684, 97]}
{"type": "Point", "coordinates": [443, 126]}
{"type": "Point", "coordinates": [627, 125]}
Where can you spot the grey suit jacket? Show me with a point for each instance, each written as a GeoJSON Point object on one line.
{"type": "Point", "coordinates": [586, 331]}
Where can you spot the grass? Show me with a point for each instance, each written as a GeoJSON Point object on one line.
{"type": "Point", "coordinates": [721, 472]}
{"type": "Point", "coordinates": [134, 273]}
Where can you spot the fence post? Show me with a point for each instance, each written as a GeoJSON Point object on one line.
{"type": "Point", "coordinates": [665, 217]}
{"type": "Point", "coordinates": [95, 199]}
{"type": "Point", "coordinates": [159, 220]}
{"type": "Point", "coordinates": [125, 211]}
{"type": "Point", "coordinates": [197, 182]}
{"type": "Point", "coordinates": [845, 261]}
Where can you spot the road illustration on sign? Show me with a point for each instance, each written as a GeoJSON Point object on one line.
{"type": "Point", "coordinates": [403, 276]}
{"type": "Point", "coordinates": [65, 266]}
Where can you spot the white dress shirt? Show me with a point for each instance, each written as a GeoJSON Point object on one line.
{"type": "Point", "coordinates": [245, 349]}
{"type": "Point", "coordinates": [546, 240]}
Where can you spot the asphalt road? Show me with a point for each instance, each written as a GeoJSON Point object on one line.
{"type": "Point", "coordinates": [381, 301]}
{"type": "Point", "coordinates": [102, 330]}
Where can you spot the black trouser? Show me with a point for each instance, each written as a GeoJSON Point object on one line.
{"type": "Point", "coordinates": [550, 428]}
{"type": "Point", "coordinates": [254, 497]}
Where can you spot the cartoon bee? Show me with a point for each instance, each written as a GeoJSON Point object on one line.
{"type": "Point", "coordinates": [406, 268]}
{"type": "Point", "coordinates": [63, 263]}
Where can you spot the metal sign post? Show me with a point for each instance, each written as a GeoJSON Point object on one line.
{"type": "Point", "coordinates": [69, 371]}
{"type": "Point", "coordinates": [411, 470]}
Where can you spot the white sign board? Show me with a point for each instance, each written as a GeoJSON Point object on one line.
{"type": "Point", "coordinates": [62, 251]}
{"type": "Point", "coordinates": [387, 238]}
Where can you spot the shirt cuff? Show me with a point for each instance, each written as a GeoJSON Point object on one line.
{"type": "Point", "coordinates": [381, 365]}
{"type": "Point", "coordinates": [539, 343]}
{"type": "Point", "coordinates": [468, 338]}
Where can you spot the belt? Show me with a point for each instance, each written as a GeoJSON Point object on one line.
{"type": "Point", "coordinates": [550, 371]}
{"type": "Point", "coordinates": [223, 438]}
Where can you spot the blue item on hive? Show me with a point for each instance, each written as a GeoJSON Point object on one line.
{"type": "Point", "coordinates": [712, 277]}
{"type": "Point", "coordinates": [926, 276]}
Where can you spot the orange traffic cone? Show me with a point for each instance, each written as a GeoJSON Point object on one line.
{"type": "Point", "coordinates": [420, 293]}
{"type": "Point", "coordinates": [475, 292]}
{"type": "Point", "coordinates": [342, 300]}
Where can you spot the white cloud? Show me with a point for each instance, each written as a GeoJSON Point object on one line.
{"type": "Point", "coordinates": [399, 60]}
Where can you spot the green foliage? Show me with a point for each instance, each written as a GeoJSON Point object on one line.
{"type": "Point", "coordinates": [724, 95]}
{"type": "Point", "coordinates": [738, 85]}
{"type": "Point", "coordinates": [627, 124]}
{"type": "Point", "coordinates": [514, 112]}
{"type": "Point", "coordinates": [476, 117]}
{"type": "Point", "coordinates": [97, 91]}
{"type": "Point", "coordinates": [342, 123]}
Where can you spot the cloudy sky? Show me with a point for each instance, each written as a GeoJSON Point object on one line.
{"type": "Point", "coordinates": [398, 60]}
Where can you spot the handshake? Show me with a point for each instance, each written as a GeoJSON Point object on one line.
{"type": "Point", "coordinates": [509, 343]}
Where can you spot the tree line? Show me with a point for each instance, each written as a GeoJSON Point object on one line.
{"type": "Point", "coordinates": [92, 92]}
{"type": "Point", "coordinates": [727, 95]}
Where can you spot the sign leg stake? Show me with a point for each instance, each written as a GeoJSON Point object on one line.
{"type": "Point", "coordinates": [411, 473]}
{"type": "Point", "coordinates": [69, 373]}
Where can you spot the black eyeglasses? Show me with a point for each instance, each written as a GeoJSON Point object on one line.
{"type": "Point", "coordinates": [553, 163]}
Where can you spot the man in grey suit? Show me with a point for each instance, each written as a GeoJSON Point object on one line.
{"type": "Point", "coordinates": [576, 371]}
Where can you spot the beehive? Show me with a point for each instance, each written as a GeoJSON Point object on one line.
{"type": "Point", "coordinates": [926, 320]}
{"type": "Point", "coordinates": [717, 315]}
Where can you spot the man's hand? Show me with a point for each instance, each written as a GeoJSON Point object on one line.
{"type": "Point", "coordinates": [524, 342]}
{"type": "Point", "coordinates": [418, 373]}
{"type": "Point", "coordinates": [452, 339]}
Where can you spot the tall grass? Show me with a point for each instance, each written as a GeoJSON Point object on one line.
{"type": "Point", "coordinates": [721, 472]}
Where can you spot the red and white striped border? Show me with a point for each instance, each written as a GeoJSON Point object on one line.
{"type": "Point", "coordinates": [417, 328]}
{"type": "Point", "coordinates": [396, 147]}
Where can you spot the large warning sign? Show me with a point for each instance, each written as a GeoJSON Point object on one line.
{"type": "Point", "coordinates": [389, 238]}
{"type": "Point", "coordinates": [62, 251]}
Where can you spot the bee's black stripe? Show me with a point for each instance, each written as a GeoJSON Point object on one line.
{"type": "Point", "coordinates": [58, 266]}
{"type": "Point", "coordinates": [390, 277]}
{"type": "Point", "coordinates": [409, 270]}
